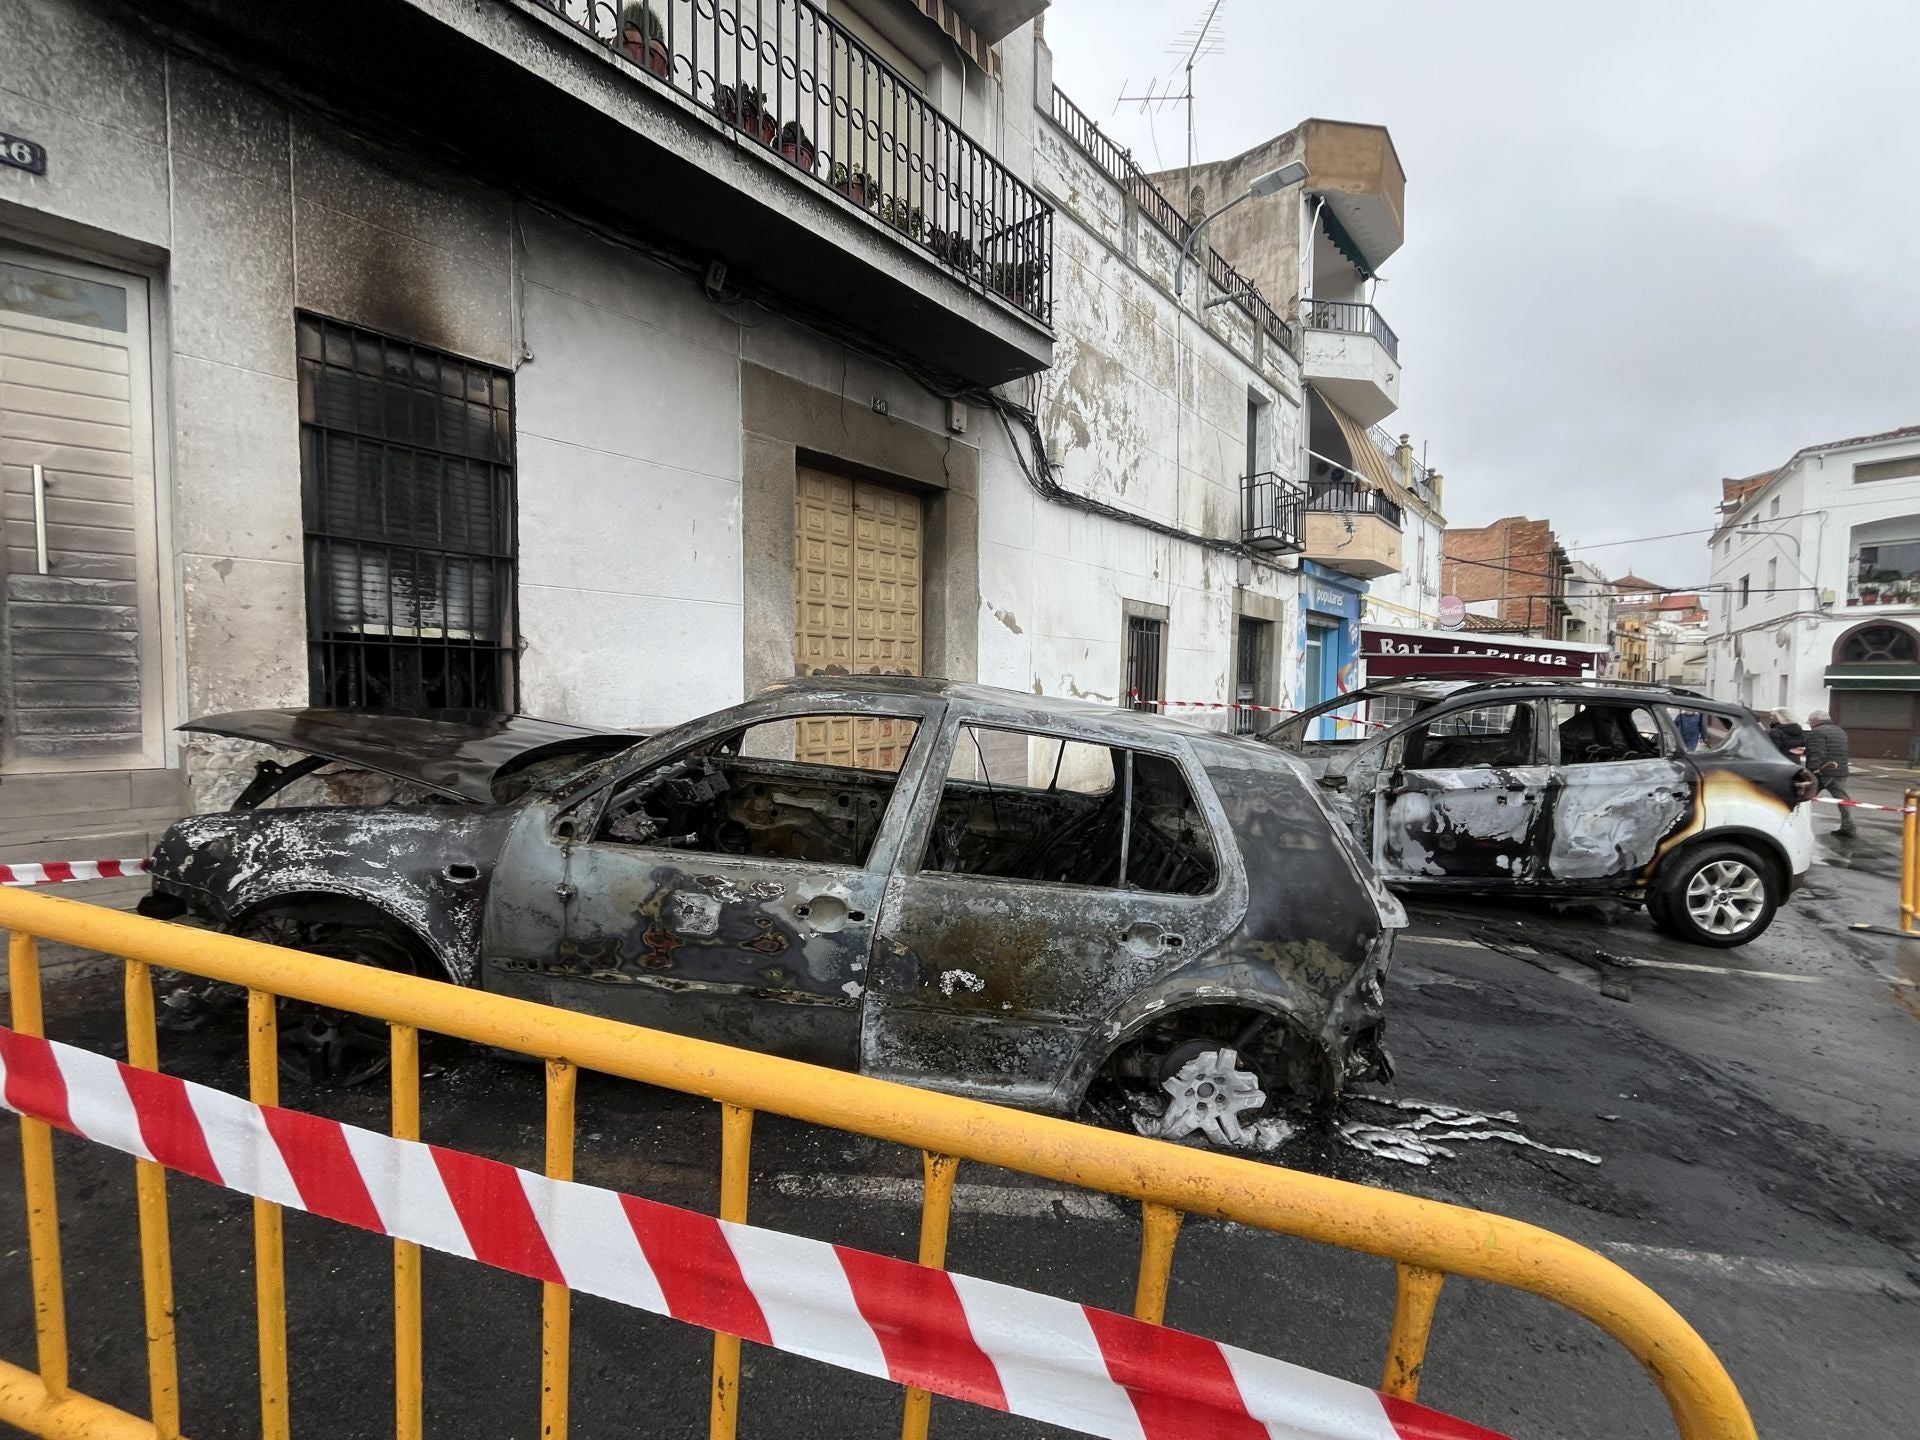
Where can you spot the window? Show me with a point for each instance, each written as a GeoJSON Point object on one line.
{"type": "Point", "coordinates": [1745, 591]}
{"type": "Point", "coordinates": [1773, 508]}
{"type": "Point", "coordinates": [1144, 662]}
{"type": "Point", "coordinates": [1253, 651]}
{"type": "Point", "coordinates": [1898, 469]}
{"type": "Point", "coordinates": [1879, 644]}
{"type": "Point", "coordinates": [743, 793]}
{"type": "Point", "coordinates": [1886, 571]}
{"type": "Point", "coordinates": [1259, 434]}
{"type": "Point", "coordinates": [1479, 737]}
{"type": "Point", "coordinates": [1701, 731]}
{"type": "Point", "coordinates": [1602, 732]}
{"type": "Point", "coordinates": [1773, 575]}
{"type": "Point", "coordinates": [1392, 709]}
{"type": "Point", "coordinates": [1028, 807]}
{"type": "Point", "coordinates": [406, 466]}
{"type": "Point", "coordinates": [1782, 700]}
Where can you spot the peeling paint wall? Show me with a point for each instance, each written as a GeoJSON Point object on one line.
{"type": "Point", "coordinates": [1145, 409]}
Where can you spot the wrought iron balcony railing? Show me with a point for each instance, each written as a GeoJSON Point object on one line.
{"type": "Point", "coordinates": [1352, 317]}
{"type": "Point", "coordinates": [1117, 164]}
{"type": "Point", "coordinates": [1343, 496]}
{"type": "Point", "coordinates": [786, 76]}
{"type": "Point", "coordinates": [1273, 513]}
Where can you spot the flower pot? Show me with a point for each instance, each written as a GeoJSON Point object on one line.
{"type": "Point", "coordinates": [799, 153]}
{"type": "Point", "coordinates": [652, 54]}
{"type": "Point", "coordinates": [854, 190]}
{"type": "Point", "coordinates": [768, 127]}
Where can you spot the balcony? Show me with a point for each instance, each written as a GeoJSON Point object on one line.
{"type": "Point", "coordinates": [757, 133]}
{"type": "Point", "coordinates": [1272, 513]}
{"type": "Point", "coordinates": [1353, 357]}
{"type": "Point", "coordinates": [1352, 527]}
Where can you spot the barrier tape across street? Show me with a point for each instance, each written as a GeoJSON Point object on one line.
{"type": "Point", "coordinates": [1034, 1355]}
{"type": "Point", "coordinates": [58, 872]}
{"type": "Point", "coordinates": [1137, 699]}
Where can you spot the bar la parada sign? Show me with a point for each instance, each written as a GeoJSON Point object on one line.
{"type": "Point", "coordinates": [1405, 652]}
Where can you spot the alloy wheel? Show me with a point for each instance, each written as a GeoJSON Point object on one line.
{"type": "Point", "coordinates": [1726, 897]}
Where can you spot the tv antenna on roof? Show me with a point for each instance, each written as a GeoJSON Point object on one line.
{"type": "Point", "coordinates": [1198, 41]}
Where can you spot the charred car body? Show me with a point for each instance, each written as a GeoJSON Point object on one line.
{"type": "Point", "coordinates": [991, 894]}
{"type": "Point", "coordinates": [1655, 795]}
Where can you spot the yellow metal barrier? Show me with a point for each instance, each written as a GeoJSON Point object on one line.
{"type": "Point", "coordinates": [1429, 1240]}
{"type": "Point", "coordinates": [1910, 863]}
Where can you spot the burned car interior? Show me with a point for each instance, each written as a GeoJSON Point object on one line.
{"type": "Point", "coordinates": [1069, 813]}
{"type": "Point", "coordinates": [723, 798]}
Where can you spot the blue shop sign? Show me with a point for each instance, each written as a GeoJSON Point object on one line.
{"type": "Point", "coordinates": [1325, 598]}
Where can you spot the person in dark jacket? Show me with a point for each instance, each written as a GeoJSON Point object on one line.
{"type": "Point", "coordinates": [1827, 755]}
{"type": "Point", "coordinates": [1785, 732]}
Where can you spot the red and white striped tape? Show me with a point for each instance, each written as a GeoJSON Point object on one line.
{"type": "Point", "coordinates": [1034, 1355]}
{"type": "Point", "coordinates": [1859, 804]}
{"type": "Point", "coordinates": [56, 872]}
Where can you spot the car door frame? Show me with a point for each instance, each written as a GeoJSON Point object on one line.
{"type": "Point", "coordinates": [908, 1009]}
{"type": "Point", "coordinates": [1531, 782]}
{"type": "Point", "coordinates": [744, 1008]}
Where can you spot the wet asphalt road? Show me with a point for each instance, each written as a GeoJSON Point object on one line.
{"type": "Point", "coordinates": [1757, 1126]}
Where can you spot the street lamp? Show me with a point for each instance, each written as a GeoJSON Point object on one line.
{"type": "Point", "coordinates": [1291, 173]}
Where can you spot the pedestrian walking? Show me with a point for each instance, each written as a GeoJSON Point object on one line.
{"type": "Point", "coordinates": [1787, 733]}
{"type": "Point", "coordinates": [1827, 754]}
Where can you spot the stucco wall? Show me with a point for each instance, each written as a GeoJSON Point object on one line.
{"type": "Point", "coordinates": [1145, 409]}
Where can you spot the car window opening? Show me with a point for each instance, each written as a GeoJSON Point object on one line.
{"type": "Point", "coordinates": [1482, 737]}
{"type": "Point", "coordinates": [812, 788]}
{"type": "Point", "coordinates": [1601, 732]}
{"type": "Point", "coordinates": [1105, 816]}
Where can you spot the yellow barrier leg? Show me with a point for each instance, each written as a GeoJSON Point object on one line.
{"type": "Point", "coordinates": [156, 1244]}
{"type": "Point", "coordinates": [1160, 1227]}
{"type": "Point", "coordinates": [936, 1211]}
{"type": "Point", "coordinates": [1910, 863]}
{"type": "Point", "coordinates": [556, 1314]}
{"type": "Point", "coordinates": [269, 1246]}
{"type": "Point", "coordinates": [409, 1375]}
{"type": "Point", "coordinates": [736, 1143]}
{"type": "Point", "coordinates": [36, 1167]}
{"type": "Point", "coordinates": [1418, 1292]}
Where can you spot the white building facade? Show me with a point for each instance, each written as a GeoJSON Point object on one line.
{"type": "Point", "coordinates": [1816, 589]}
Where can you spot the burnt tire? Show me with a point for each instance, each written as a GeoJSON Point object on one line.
{"type": "Point", "coordinates": [320, 1046]}
{"type": "Point", "coordinates": [1717, 895]}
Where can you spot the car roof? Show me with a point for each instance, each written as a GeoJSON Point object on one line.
{"type": "Point", "coordinates": [1533, 687]}
{"type": "Point", "coordinates": [1017, 705]}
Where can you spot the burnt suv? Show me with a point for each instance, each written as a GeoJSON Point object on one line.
{"type": "Point", "coordinates": [1652, 794]}
{"type": "Point", "coordinates": [979, 891]}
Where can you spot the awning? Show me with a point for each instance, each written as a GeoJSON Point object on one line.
{"type": "Point", "coordinates": [1368, 462]}
{"type": "Point", "coordinates": [1345, 243]}
{"type": "Point", "coordinates": [1889, 676]}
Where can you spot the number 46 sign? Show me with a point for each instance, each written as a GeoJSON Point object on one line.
{"type": "Point", "coordinates": [22, 154]}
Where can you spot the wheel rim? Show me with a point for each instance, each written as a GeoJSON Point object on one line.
{"type": "Point", "coordinates": [1208, 1094]}
{"type": "Point", "coordinates": [1726, 897]}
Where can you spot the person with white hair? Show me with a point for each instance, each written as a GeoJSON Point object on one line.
{"type": "Point", "coordinates": [1785, 732]}
{"type": "Point", "coordinates": [1827, 754]}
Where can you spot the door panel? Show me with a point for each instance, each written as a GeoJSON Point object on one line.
{"type": "Point", "coordinates": [79, 639]}
{"type": "Point", "coordinates": [1620, 788]}
{"type": "Point", "coordinates": [1465, 799]}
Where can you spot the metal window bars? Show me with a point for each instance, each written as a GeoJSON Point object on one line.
{"type": "Point", "coordinates": [1117, 164]}
{"type": "Point", "coordinates": [784, 75]}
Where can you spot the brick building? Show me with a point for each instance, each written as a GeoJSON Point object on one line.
{"type": "Point", "coordinates": [1513, 571]}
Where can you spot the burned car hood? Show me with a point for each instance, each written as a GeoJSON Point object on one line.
{"type": "Point", "coordinates": [461, 753]}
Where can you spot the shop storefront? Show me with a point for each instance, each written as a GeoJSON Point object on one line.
{"type": "Point", "coordinates": [1389, 652]}
{"type": "Point", "coordinates": [1329, 652]}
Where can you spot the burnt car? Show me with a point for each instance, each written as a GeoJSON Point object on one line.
{"type": "Point", "coordinates": [993, 894]}
{"type": "Point", "coordinates": [1651, 794]}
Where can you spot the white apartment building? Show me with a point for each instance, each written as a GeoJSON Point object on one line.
{"type": "Point", "coordinates": [1816, 589]}
{"type": "Point", "coordinates": [1590, 597]}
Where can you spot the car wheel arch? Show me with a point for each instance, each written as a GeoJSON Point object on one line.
{"type": "Point", "coordinates": [1765, 846]}
{"type": "Point", "coordinates": [346, 906]}
{"type": "Point", "coordinates": [1141, 1015]}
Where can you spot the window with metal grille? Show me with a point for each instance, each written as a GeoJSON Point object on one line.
{"type": "Point", "coordinates": [1144, 659]}
{"type": "Point", "coordinates": [406, 465]}
{"type": "Point", "coordinates": [1252, 648]}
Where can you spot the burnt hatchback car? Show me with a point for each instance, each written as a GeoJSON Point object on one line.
{"type": "Point", "coordinates": [977, 891]}
{"type": "Point", "coordinates": [1654, 795]}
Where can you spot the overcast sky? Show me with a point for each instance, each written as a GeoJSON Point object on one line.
{"type": "Point", "coordinates": [1649, 243]}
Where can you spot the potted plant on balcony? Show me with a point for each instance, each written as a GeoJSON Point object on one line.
{"type": "Point", "coordinates": [1015, 279]}
{"type": "Point", "coordinates": [745, 108]}
{"type": "Point", "coordinates": [852, 183]}
{"type": "Point", "coordinates": [1869, 593]}
{"type": "Point", "coordinates": [797, 145]}
{"type": "Point", "coordinates": [904, 218]}
{"type": "Point", "coordinates": [954, 248]}
{"type": "Point", "coordinates": [644, 39]}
